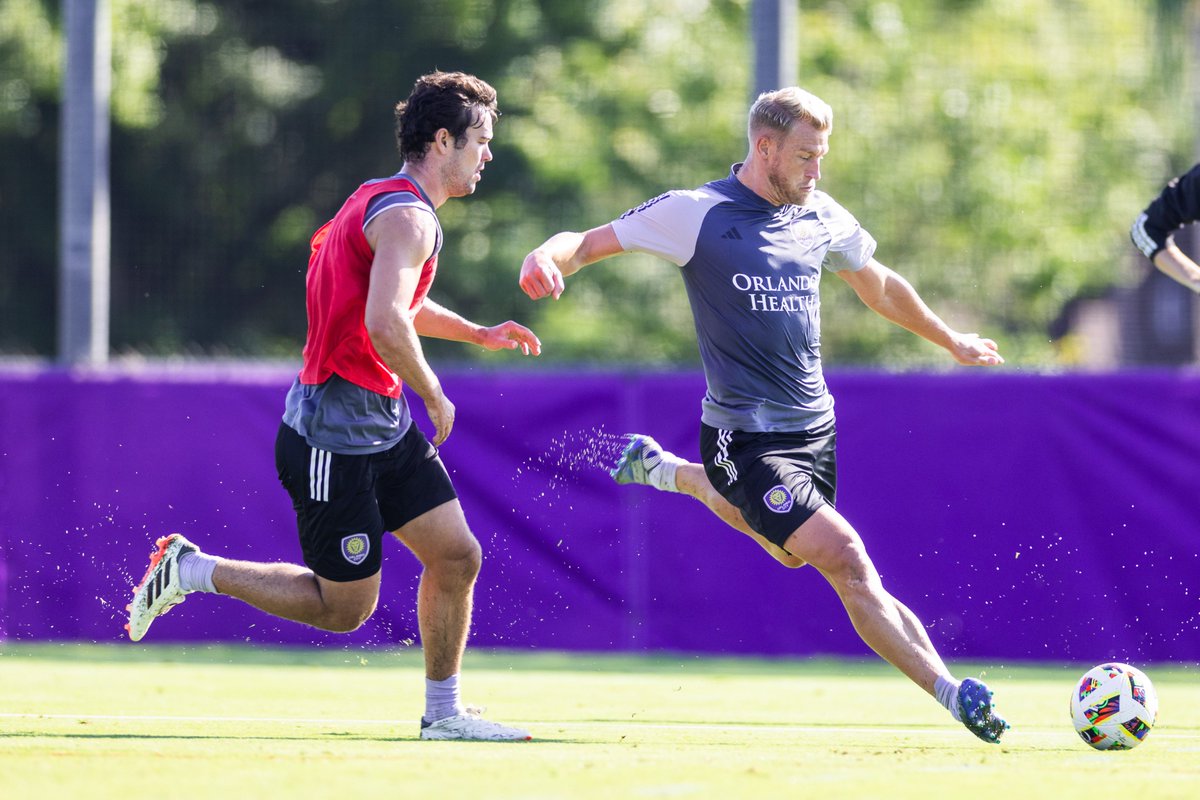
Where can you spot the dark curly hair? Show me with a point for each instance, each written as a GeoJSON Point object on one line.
{"type": "Point", "coordinates": [455, 101]}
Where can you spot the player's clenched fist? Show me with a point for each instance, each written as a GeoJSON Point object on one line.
{"type": "Point", "coordinates": [540, 276]}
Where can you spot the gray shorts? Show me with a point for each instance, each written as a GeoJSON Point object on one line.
{"type": "Point", "coordinates": [777, 480]}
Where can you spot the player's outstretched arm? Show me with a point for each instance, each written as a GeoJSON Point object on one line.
{"type": "Point", "coordinates": [563, 254]}
{"type": "Point", "coordinates": [1174, 263]}
{"type": "Point", "coordinates": [892, 297]}
{"type": "Point", "coordinates": [441, 323]}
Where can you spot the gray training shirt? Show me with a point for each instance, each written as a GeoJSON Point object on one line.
{"type": "Point", "coordinates": [753, 273]}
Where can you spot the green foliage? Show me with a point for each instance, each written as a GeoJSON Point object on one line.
{"type": "Point", "coordinates": [652, 100]}
{"type": "Point", "coordinates": [997, 159]}
{"type": "Point", "coordinates": [30, 57]}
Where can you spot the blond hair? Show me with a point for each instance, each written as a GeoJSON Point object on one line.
{"type": "Point", "coordinates": [780, 109]}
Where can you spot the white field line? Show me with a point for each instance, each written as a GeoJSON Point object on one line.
{"type": "Point", "coordinates": [631, 724]}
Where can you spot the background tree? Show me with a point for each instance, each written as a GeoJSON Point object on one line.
{"type": "Point", "coordinates": [995, 156]}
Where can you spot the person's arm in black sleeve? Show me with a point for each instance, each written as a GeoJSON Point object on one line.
{"type": "Point", "coordinates": [1177, 205]}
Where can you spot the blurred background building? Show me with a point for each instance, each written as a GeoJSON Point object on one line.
{"type": "Point", "coordinates": [1151, 321]}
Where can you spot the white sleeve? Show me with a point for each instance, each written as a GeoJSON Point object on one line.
{"type": "Point", "coordinates": [666, 226]}
{"type": "Point", "coordinates": [850, 246]}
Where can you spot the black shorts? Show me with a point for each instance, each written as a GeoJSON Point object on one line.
{"type": "Point", "coordinates": [777, 480]}
{"type": "Point", "coordinates": [344, 503]}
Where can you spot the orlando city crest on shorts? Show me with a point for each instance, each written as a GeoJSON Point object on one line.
{"type": "Point", "coordinates": [779, 499]}
{"type": "Point", "coordinates": [355, 548]}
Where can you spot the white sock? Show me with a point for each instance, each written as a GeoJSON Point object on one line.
{"type": "Point", "coordinates": [441, 699]}
{"type": "Point", "coordinates": [662, 477]}
{"type": "Point", "coordinates": [945, 688]}
{"type": "Point", "coordinates": [196, 572]}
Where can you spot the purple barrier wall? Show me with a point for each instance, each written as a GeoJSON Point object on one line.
{"type": "Point", "coordinates": [1021, 517]}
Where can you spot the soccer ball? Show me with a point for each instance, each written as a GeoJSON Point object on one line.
{"type": "Point", "coordinates": [1114, 706]}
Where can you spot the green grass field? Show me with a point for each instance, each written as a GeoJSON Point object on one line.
{"type": "Point", "coordinates": [201, 722]}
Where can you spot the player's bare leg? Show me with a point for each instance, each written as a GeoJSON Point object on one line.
{"type": "Point", "coordinates": [293, 592]}
{"type": "Point", "coordinates": [692, 480]}
{"type": "Point", "coordinates": [451, 557]}
{"type": "Point", "coordinates": [826, 540]}
{"type": "Point", "coordinates": [874, 612]}
{"type": "Point", "coordinates": [829, 543]}
{"type": "Point", "coordinates": [645, 462]}
{"type": "Point", "coordinates": [883, 622]}
{"type": "Point", "coordinates": [178, 568]}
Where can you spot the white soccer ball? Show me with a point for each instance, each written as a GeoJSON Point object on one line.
{"type": "Point", "coordinates": [1114, 706]}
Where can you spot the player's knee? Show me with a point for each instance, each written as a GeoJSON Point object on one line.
{"type": "Point", "coordinates": [788, 560]}
{"type": "Point", "coordinates": [462, 563]}
{"type": "Point", "coordinates": [853, 569]}
{"type": "Point", "coordinates": [348, 617]}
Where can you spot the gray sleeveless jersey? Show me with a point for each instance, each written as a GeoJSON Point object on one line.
{"type": "Point", "coordinates": [753, 272]}
{"type": "Point", "coordinates": [343, 418]}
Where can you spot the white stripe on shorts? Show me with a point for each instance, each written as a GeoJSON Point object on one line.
{"type": "Point", "coordinates": [723, 460]}
{"type": "Point", "coordinates": [319, 463]}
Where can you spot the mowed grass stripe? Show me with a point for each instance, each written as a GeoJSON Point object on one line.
{"type": "Point", "coordinates": [95, 722]}
{"type": "Point", "coordinates": [953, 731]}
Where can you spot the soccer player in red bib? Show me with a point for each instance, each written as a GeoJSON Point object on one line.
{"type": "Point", "coordinates": [347, 450]}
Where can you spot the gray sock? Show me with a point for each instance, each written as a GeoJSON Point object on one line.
{"type": "Point", "coordinates": [441, 699]}
{"type": "Point", "coordinates": [196, 572]}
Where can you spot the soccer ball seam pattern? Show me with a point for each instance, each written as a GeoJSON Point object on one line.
{"type": "Point", "coordinates": [1114, 706]}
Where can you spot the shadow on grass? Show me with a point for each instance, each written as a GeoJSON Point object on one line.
{"type": "Point", "coordinates": [241, 738]}
{"type": "Point", "coordinates": [358, 657]}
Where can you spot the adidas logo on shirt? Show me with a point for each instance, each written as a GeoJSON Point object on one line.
{"type": "Point", "coordinates": [732, 233]}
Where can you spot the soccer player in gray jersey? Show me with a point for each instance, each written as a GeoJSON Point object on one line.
{"type": "Point", "coordinates": [752, 249]}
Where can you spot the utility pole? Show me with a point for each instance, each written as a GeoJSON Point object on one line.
{"type": "Point", "coordinates": [775, 32]}
{"type": "Point", "coordinates": [84, 222]}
